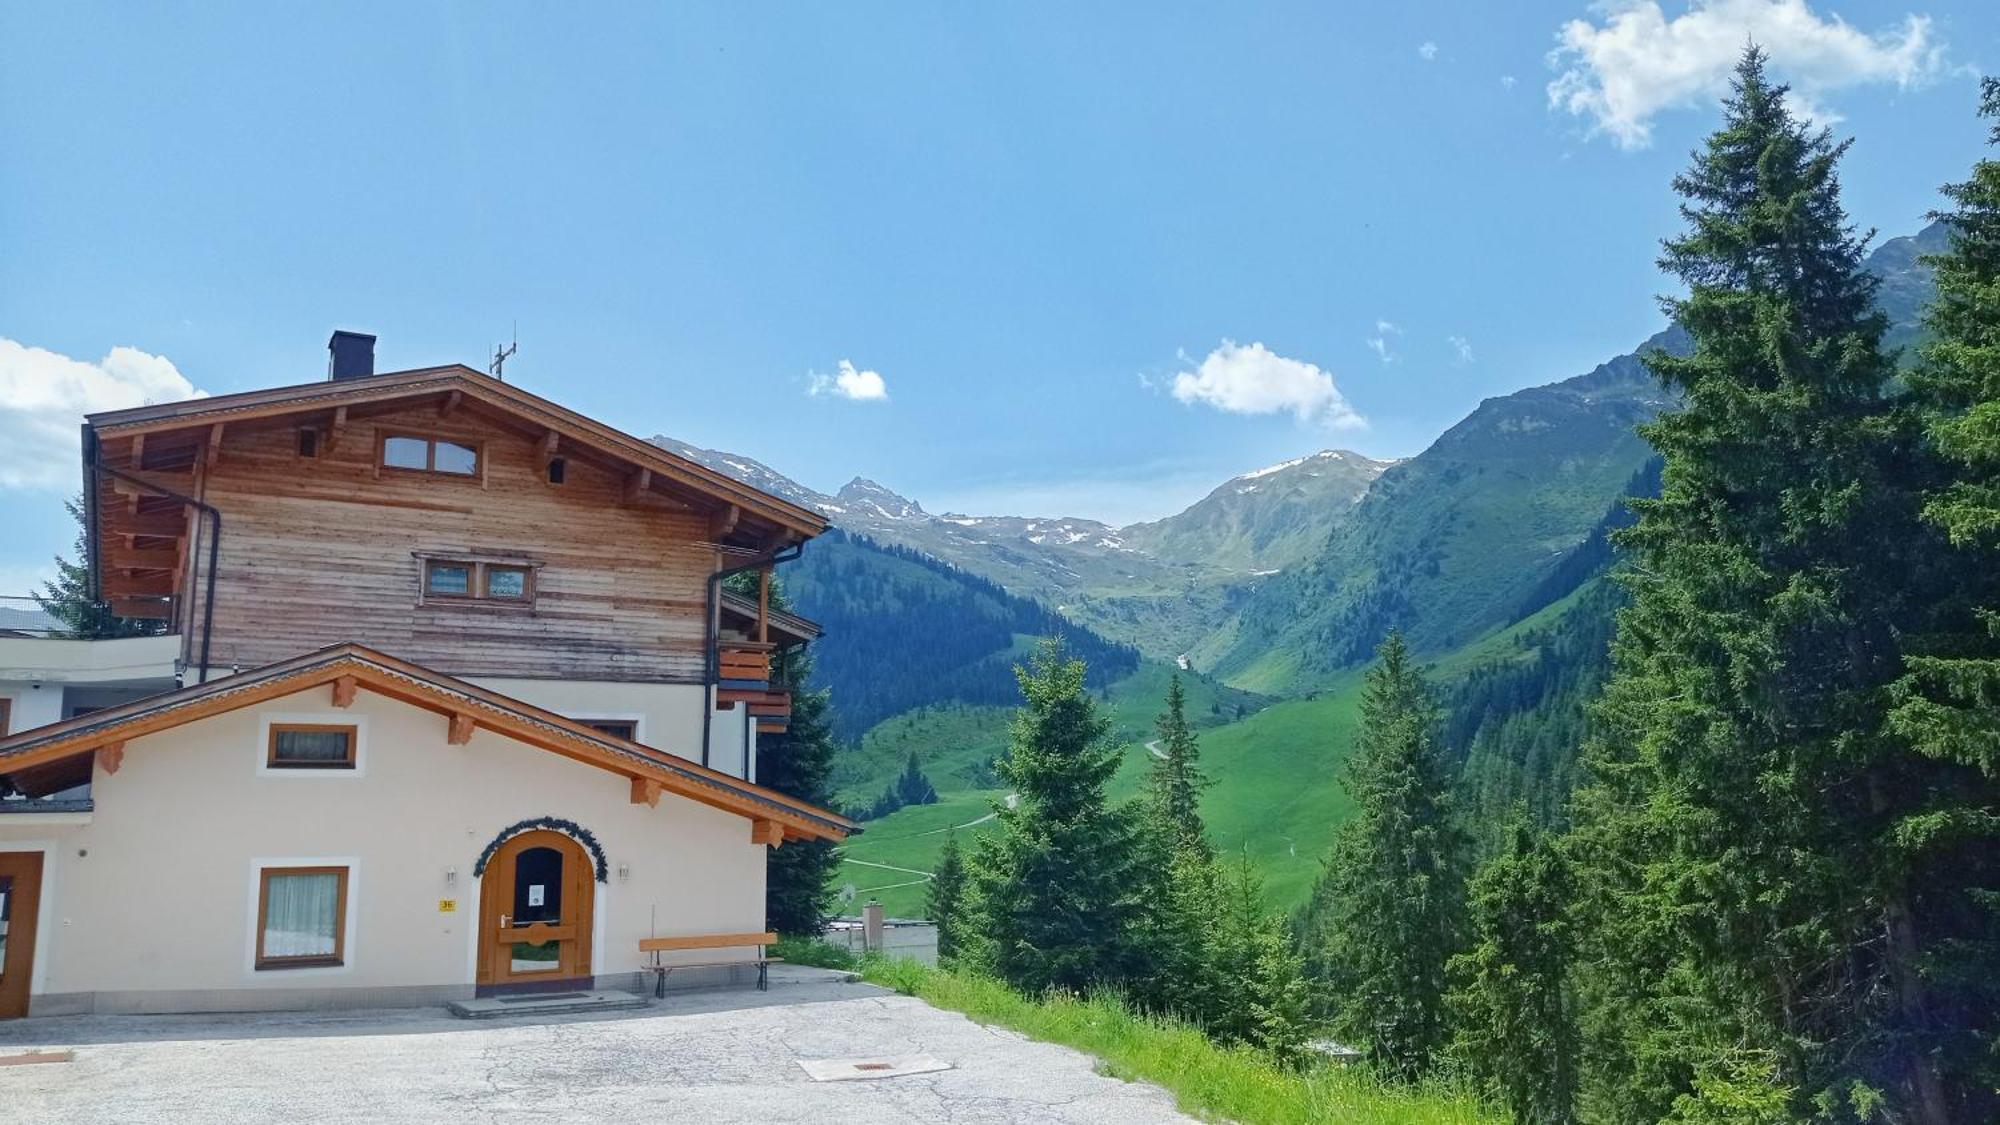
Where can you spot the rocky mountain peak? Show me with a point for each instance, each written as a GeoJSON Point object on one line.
{"type": "Point", "coordinates": [864, 495]}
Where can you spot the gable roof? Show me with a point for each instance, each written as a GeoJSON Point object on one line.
{"type": "Point", "coordinates": [651, 770]}
{"type": "Point", "coordinates": [457, 379]}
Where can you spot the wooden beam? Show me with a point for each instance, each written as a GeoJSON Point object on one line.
{"type": "Point", "coordinates": [110, 756]}
{"type": "Point", "coordinates": [334, 431]}
{"type": "Point", "coordinates": [546, 452]}
{"type": "Point", "coordinates": [723, 522]}
{"type": "Point", "coordinates": [646, 791]}
{"type": "Point", "coordinates": [344, 688]}
{"type": "Point", "coordinates": [764, 606]}
{"type": "Point", "coordinates": [167, 525]}
{"type": "Point", "coordinates": [767, 832]}
{"type": "Point", "coordinates": [146, 558]}
{"type": "Point", "coordinates": [138, 451]}
{"type": "Point", "coordinates": [450, 403]}
{"type": "Point", "coordinates": [118, 584]}
{"type": "Point", "coordinates": [638, 485]}
{"type": "Point", "coordinates": [141, 609]}
{"type": "Point", "coordinates": [212, 451]}
{"type": "Point", "coordinates": [461, 728]}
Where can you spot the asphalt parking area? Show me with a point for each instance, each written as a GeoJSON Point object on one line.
{"type": "Point", "coordinates": [725, 1056]}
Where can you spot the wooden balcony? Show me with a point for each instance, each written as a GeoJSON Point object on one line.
{"type": "Point", "coordinates": [743, 675]}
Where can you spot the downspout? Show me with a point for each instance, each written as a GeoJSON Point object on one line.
{"type": "Point", "coordinates": [214, 542]}
{"type": "Point", "coordinates": [712, 629]}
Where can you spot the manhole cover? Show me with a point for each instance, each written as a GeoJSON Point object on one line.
{"type": "Point", "coordinates": [840, 1070]}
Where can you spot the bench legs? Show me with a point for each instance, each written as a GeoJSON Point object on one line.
{"type": "Point", "coordinates": [660, 978]}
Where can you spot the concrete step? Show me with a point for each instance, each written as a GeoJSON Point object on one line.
{"type": "Point", "coordinates": [544, 1004]}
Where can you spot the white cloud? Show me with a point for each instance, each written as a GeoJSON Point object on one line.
{"type": "Point", "coordinates": [861, 386]}
{"type": "Point", "coordinates": [44, 396]}
{"type": "Point", "coordinates": [1461, 347]}
{"type": "Point", "coordinates": [1382, 343]}
{"type": "Point", "coordinates": [1506, 82]}
{"type": "Point", "coordinates": [1621, 72]}
{"type": "Point", "coordinates": [1256, 380]}
{"type": "Point", "coordinates": [1427, 51]}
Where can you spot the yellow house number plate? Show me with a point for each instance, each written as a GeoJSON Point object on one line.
{"type": "Point", "coordinates": [447, 906]}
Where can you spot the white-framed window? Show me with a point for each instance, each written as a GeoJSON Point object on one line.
{"type": "Point", "coordinates": [312, 744]}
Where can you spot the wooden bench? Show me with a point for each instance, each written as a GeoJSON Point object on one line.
{"type": "Point", "coordinates": [658, 945]}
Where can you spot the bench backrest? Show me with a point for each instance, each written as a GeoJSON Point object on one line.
{"type": "Point", "coordinates": [704, 941]}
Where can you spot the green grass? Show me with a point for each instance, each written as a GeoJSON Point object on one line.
{"type": "Point", "coordinates": [1276, 791]}
{"type": "Point", "coordinates": [1277, 795]}
{"type": "Point", "coordinates": [1206, 1080]}
{"type": "Point", "coordinates": [812, 951]}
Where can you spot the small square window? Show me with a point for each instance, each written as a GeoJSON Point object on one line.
{"type": "Point", "coordinates": [406, 453]}
{"type": "Point", "coordinates": [308, 443]}
{"type": "Point", "coordinates": [626, 729]}
{"type": "Point", "coordinates": [452, 457]}
{"type": "Point", "coordinates": [558, 470]}
{"type": "Point", "coordinates": [447, 579]}
{"type": "Point", "coordinates": [506, 582]}
{"type": "Point", "coordinates": [301, 917]}
{"type": "Point", "coordinates": [306, 746]}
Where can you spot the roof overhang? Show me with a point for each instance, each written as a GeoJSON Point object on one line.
{"type": "Point", "coordinates": [350, 667]}
{"type": "Point", "coordinates": [786, 628]}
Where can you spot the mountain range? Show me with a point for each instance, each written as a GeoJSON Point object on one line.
{"type": "Point", "coordinates": [1281, 578]}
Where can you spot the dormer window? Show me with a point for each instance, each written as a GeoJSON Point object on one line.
{"type": "Point", "coordinates": [410, 453]}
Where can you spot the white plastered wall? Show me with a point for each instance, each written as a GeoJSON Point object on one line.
{"type": "Point", "coordinates": [669, 715]}
{"type": "Point", "coordinates": [158, 890]}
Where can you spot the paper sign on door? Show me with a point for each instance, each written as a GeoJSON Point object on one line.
{"type": "Point", "coordinates": [534, 894]}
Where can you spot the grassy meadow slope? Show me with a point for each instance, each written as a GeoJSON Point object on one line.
{"type": "Point", "coordinates": [1276, 795]}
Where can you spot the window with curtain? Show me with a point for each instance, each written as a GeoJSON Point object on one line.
{"type": "Point", "coordinates": [311, 746]}
{"type": "Point", "coordinates": [301, 917]}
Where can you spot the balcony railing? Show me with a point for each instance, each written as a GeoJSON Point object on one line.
{"type": "Point", "coordinates": [743, 675]}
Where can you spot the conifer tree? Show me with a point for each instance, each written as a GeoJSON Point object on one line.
{"type": "Point", "coordinates": [944, 898]}
{"type": "Point", "coordinates": [1742, 773]}
{"type": "Point", "coordinates": [1053, 891]}
{"type": "Point", "coordinates": [1388, 906]}
{"type": "Point", "coordinates": [1948, 702]}
{"type": "Point", "coordinates": [1264, 994]}
{"type": "Point", "coordinates": [798, 762]}
{"type": "Point", "coordinates": [1512, 1006]}
{"type": "Point", "coordinates": [1176, 783]}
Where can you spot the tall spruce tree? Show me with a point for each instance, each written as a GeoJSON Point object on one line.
{"type": "Point", "coordinates": [798, 762]}
{"type": "Point", "coordinates": [1742, 774]}
{"type": "Point", "coordinates": [1053, 892]}
{"type": "Point", "coordinates": [1176, 783]}
{"type": "Point", "coordinates": [1512, 1003]}
{"type": "Point", "coordinates": [1948, 702]}
{"type": "Point", "coordinates": [1388, 906]}
{"type": "Point", "coordinates": [944, 899]}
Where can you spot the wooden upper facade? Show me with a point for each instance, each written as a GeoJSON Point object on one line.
{"type": "Point", "coordinates": [441, 515]}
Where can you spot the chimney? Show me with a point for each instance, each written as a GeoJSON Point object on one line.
{"type": "Point", "coordinates": [350, 355]}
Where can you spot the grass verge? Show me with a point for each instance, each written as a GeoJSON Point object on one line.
{"type": "Point", "coordinates": [1206, 1079]}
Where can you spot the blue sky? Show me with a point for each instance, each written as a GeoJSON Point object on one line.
{"type": "Point", "coordinates": [1033, 225]}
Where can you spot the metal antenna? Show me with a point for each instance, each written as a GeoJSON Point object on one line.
{"type": "Point", "coordinates": [501, 355]}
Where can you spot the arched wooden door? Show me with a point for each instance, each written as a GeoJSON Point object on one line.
{"type": "Point", "coordinates": [535, 910]}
